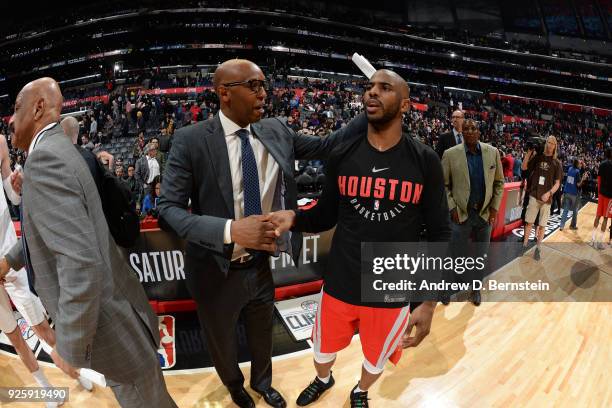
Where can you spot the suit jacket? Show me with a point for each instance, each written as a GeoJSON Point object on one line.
{"type": "Point", "coordinates": [102, 316]}
{"type": "Point", "coordinates": [198, 169]}
{"type": "Point", "coordinates": [141, 171]}
{"type": "Point", "coordinates": [445, 142]}
{"type": "Point", "coordinates": [457, 179]}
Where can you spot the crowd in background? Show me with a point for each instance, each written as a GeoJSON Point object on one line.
{"type": "Point", "coordinates": [136, 129]}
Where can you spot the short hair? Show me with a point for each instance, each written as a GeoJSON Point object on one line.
{"type": "Point", "coordinates": [71, 128]}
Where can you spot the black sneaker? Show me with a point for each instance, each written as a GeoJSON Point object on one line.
{"type": "Point", "coordinates": [359, 399]}
{"type": "Point", "coordinates": [536, 254]}
{"type": "Point", "coordinates": [314, 390]}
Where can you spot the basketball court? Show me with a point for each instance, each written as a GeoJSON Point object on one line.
{"type": "Point", "coordinates": [500, 354]}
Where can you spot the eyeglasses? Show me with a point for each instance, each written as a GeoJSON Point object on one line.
{"type": "Point", "coordinates": [255, 85]}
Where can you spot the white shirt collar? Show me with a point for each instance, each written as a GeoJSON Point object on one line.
{"type": "Point", "coordinates": [456, 133]}
{"type": "Point", "coordinates": [229, 126]}
{"type": "Point", "coordinates": [38, 135]}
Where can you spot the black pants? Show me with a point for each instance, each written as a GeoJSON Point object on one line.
{"type": "Point", "coordinates": [221, 301]}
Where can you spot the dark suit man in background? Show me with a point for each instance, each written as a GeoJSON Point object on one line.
{"type": "Point", "coordinates": [454, 137]}
{"type": "Point", "coordinates": [102, 317]}
{"type": "Point", "coordinates": [234, 168]}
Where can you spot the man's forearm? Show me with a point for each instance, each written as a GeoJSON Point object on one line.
{"type": "Point", "coordinates": [14, 257]}
{"type": "Point", "coordinates": [555, 187]}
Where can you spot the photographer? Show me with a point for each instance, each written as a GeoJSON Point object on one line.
{"type": "Point", "coordinates": [545, 174]}
{"type": "Point", "coordinates": [535, 147]}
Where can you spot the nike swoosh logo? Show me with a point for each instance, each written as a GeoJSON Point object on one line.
{"type": "Point", "coordinates": [375, 170]}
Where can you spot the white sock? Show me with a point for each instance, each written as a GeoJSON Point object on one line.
{"type": "Point", "coordinates": [358, 390]}
{"type": "Point", "coordinates": [324, 380]}
{"type": "Point", "coordinates": [594, 234]}
{"type": "Point", "coordinates": [41, 379]}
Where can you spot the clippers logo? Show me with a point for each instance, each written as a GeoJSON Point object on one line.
{"type": "Point", "coordinates": [167, 348]}
{"type": "Point", "coordinates": [310, 305]}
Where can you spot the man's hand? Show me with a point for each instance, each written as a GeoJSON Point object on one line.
{"type": "Point", "coordinates": [454, 216]}
{"type": "Point", "coordinates": [421, 318]}
{"type": "Point", "coordinates": [4, 268]}
{"type": "Point", "coordinates": [254, 232]}
{"type": "Point", "coordinates": [64, 366]}
{"type": "Point", "coordinates": [17, 181]}
{"type": "Point", "coordinates": [546, 196]}
{"type": "Point", "coordinates": [106, 156]}
{"type": "Point", "coordinates": [492, 215]}
{"type": "Point", "coordinates": [283, 221]}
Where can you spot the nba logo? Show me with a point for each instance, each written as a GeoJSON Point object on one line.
{"type": "Point", "coordinates": [167, 348]}
{"type": "Point", "coordinates": [376, 205]}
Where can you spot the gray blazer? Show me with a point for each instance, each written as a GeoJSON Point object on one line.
{"type": "Point", "coordinates": [141, 171]}
{"type": "Point", "coordinates": [198, 169]}
{"type": "Point", "coordinates": [102, 316]}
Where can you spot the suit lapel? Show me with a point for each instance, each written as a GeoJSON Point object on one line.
{"type": "Point", "coordinates": [486, 163]}
{"type": "Point", "coordinates": [219, 157]}
{"type": "Point", "coordinates": [273, 148]}
{"type": "Point", "coordinates": [464, 167]}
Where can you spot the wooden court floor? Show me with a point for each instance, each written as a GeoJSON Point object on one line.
{"type": "Point", "coordinates": [501, 354]}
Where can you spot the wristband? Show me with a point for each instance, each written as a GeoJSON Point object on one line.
{"type": "Point", "coordinates": [12, 195]}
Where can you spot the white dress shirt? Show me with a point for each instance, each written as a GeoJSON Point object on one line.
{"type": "Point", "coordinates": [267, 169]}
{"type": "Point", "coordinates": [153, 169]}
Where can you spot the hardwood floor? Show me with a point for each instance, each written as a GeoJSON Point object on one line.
{"type": "Point", "coordinates": [501, 354]}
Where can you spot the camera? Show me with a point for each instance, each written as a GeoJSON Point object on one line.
{"type": "Point", "coordinates": [536, 143]}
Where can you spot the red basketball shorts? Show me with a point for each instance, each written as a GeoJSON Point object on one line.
{"type": "Point", "coordinates": [380, 329]}
{"type": "Point", "coordinates": [603, 207]}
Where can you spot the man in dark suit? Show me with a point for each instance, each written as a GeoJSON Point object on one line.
{"type": "Point", "coordinates": [452, 138]}
{"type": "Point", "coordinates": [234, 168]}
{"type": "Point", "coordinates": [102, 316]}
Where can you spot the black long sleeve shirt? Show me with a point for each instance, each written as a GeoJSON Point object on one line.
{"type": "Point", "coordinates": [374, 196]}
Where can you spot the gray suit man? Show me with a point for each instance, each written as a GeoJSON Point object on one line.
{"type": "Point", "coordinates": [102, 316]}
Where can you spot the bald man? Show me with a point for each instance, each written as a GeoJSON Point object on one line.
{"type": "Point", "coordinates": [236, 168]}
{"type": "Point", "coordinates": [102, 317]}
{"type": "Point", "coordinates": [71, 128]}
{"type": "Point", "coordinates": [454, 137]}
{"type": "Point", "coordinates": [381, 187]}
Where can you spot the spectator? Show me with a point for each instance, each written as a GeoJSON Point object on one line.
{"type": "Point", "coordinates": [508, 165]}
{"type": "Point", "coordinates": [516, 171]}
{"type": "Point", "coordinates": [93, 128]}
{"type": "Point", "coordinates": [147, 168]}
{"type": "Point", "coordinates": [149, 204]}
{"type": "Point", "coordinates": [133, 185]}
{"type": "Point", "coordinates": [571, 198]}
{"type": "Point", "coordinates": [139, 145]}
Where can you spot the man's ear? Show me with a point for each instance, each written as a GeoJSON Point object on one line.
{"type": "Point", "coordinates": [223, 93]}
{"type": "Point", "coordinates": [39, 109]}
{"type": "Point", "coordinates": [405, 105]}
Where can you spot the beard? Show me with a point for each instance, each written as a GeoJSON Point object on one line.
{"type": "Point", "coordinates": [388, 114]}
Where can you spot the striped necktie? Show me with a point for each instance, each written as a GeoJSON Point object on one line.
{"type": "Point", "coordinates": [250, 176]}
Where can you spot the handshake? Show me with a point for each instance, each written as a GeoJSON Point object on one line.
{"type": "Point", "coordinates": [260, 232]}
